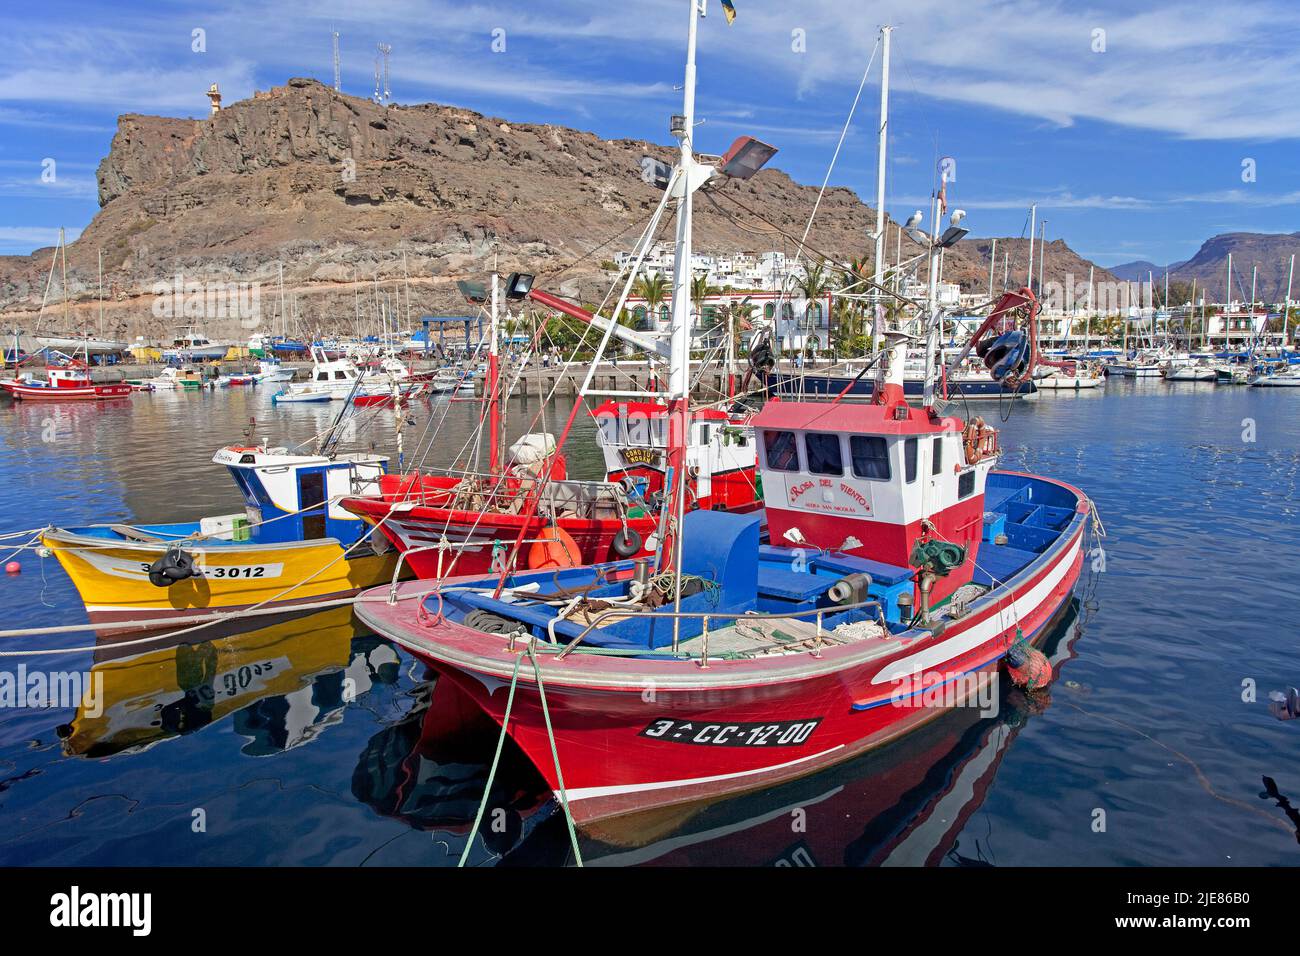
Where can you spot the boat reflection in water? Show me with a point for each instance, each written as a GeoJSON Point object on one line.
{"type": "Point", "coordinates": [281, 684]}
{"type": "Point", "coordinates": [430, 769]}
{"type": "Point", "coordinates": [904, 804]}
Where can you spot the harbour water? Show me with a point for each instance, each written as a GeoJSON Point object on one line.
{"type": "Point", "coordinates": [310, 742]}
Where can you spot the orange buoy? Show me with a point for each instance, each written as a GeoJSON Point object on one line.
{"type": "Point", "coordinates": [555, 548]}
{"type": "Point", "coordinates": [1028, 667]}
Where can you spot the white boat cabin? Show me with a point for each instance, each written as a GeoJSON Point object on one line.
{"type": "Point", "coordinates": [874, 480]}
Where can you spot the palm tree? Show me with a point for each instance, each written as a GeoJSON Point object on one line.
{"type": "Point", "coordinates": [700, 290]}
{"type": "Point", "coordinates": [814, 284]}
{"type": "Point", "coordinates": [654, 289]}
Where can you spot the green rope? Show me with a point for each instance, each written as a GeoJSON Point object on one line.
{"type": "Point", "coordinates": [496, 758]}
{"type": "Point", "coordinates": [555, 756]}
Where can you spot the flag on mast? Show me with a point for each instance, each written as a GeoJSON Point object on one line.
{"type": "Point", "coordinates": [729, 11]}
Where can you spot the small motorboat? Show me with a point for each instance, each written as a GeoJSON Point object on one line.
{"type": "Point", "coordinates": [451, 380]}
{"type": "Point", "coordinates": [1277, 376]}
{"type": "Point", "coordinates": [173, 377]}
{"type": "Point", "coordinates": [1232, 374]}
{"type": "Point", "coordinates": [1199, 371]}
{"type": "Point", "coordinates": [190, 345]}
{"type": "Point", "coordinates": [1068, 375]}
{"type": "Point", "coordinates": [270, 370]}
{"type": "Point", "coordinates": [302, 395]}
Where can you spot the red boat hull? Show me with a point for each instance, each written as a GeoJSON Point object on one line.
{"type": "Point", "coordinates": [48, 393]}
{"type": "Point", "coordinates": [638, 734]}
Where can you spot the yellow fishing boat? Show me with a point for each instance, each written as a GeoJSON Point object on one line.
{"type": "Point", "coordinates": [292, 545]}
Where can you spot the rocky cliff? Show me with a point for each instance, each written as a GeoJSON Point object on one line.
{"type": "Point", "coordinates": [352, 199]}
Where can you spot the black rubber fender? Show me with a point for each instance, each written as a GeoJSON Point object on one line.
{"type": "Point", "coordinates": [175, 565]}
{"type": "Point", "coordinates": [627, 543]}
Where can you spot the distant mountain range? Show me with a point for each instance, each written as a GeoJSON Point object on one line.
{"type": "Point", "coordinates": [1270, 253]}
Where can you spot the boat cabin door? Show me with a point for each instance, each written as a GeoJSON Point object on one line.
{"type": "Point", "coordinates": [311, 502]}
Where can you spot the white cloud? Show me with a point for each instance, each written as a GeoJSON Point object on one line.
{"type": "Point", "coordinates": [1191, 69]}
{"type": "Point", "coordinates": [34, 237]}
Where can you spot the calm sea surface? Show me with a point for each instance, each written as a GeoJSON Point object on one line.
{"type": "Point", "coordinates": [1155, 746]}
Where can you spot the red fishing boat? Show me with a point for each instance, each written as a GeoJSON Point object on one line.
{"type": "Point", "coordinates": [905, 574]}
{"type": "Point", "coordinates": [530, 514]}
{"type": "Point", "coordinates": [70, 383]}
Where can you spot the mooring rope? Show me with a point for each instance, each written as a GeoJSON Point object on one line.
{"type": "Point", "coordinates": [496, 759]}
{"type": "Point", "coordinates": [555, 756]}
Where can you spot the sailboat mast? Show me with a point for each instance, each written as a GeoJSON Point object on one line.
{"type": "Point", "coordinates": [877, 317]}
{"type": "Point", "coordinates": [1286, 310]}
{"type": "Point", "coordinates": [1151, 297]}
{"type": "Point", "coordinates": [1227, 305]}
{"type": "Point", "coordinates": [493, 377]}
{"type": "Point", "coordinates": [1254, 274]}
{"type": "Point", "coordinates": [1087, 322]}
{"type": "Point", "coordinates": [1033, 224]}
{"type": "Point", "coordinates": [889, 378]}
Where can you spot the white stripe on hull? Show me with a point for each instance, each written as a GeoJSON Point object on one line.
{"type": "Point", "coordinates": [586, 793]}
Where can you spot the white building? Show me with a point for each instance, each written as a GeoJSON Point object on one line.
{"type": "Point", "coordinates": [796, 321]}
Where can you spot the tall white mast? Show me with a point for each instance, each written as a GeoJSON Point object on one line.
{"type": "Point", "coordinates": [493, 379]}
{"type": "Point", "coordinates": [1254, 274]}
{"type": "Point", "coordinates": [1033, 224]}
{"type": "Point", "coordinates": [877, 322]}
{"type": "Point", "coordinates": [337, 77]}
{"type": "Point", "coordinates": [679, 382]}
{"type": "Point", "coordinates": [1286, 310]}
{"type": "Point", "coordinates": [690, 176]}
{"type": "Point", "coordinates": [1087, 322]}
{"type": "Point", "coordinates": [889, 378]}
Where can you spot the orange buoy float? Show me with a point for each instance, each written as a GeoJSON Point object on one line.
{"type": "Point", "coordinates": [554, 548]}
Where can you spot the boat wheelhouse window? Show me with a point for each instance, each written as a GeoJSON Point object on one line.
{"type": "Point", "coordinates": [822, 450]}
{"type": "Point", "coordinates": [339, 373]}
{"type": "Point", "coordinates": [870, 455]}
{"type": "Point", "coordinates": [782, 451]}
{"type": "Point", "coordinates": [909, 459]}
{"type": "Point", "coordinates": [936, 457]}
{"type": "Point", "coordinates": [966, 484]}
{"type": "Point", "coordinates": [322, 376]}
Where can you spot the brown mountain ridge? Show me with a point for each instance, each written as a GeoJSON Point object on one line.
{"type": "Point", "coordinates": [344, 193]}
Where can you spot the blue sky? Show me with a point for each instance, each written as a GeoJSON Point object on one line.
{"type": "Point", "coordinates": [1134, 151]}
